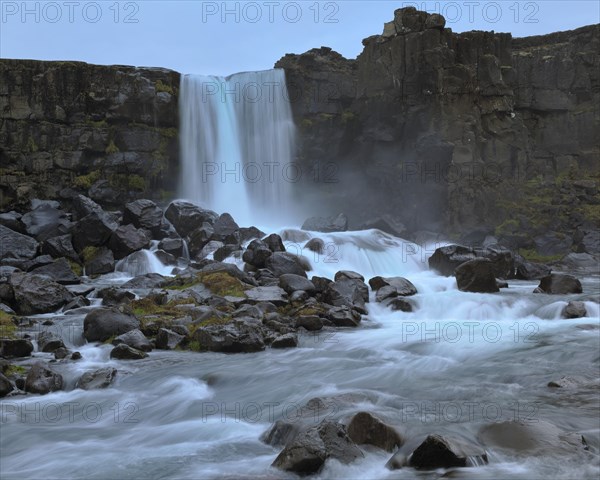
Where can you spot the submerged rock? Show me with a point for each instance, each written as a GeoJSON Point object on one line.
{"type": "Point", "coordinates": [101, 378]}
{"type": "Point", "coordinates": [338, 223]}
{"type": "Point", "coordinates": [437, 451]}
{"type": "Point", "coordinates": [366, 429]}
{"type": "Point", "coordinates": [476, 276]}
{"type": "Point", "coordinates": [574, 309]}
{"type": "Point", "coordinates": [125, 352]}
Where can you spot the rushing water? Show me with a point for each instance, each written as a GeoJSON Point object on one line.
{"type": "Point", "coordinates": [461, 360]}
{"type": "Point", "coordinates": [237, 145]}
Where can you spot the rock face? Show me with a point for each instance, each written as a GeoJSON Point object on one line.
{"type": "Point", "coordinates": [105, 131]}
{"type": "Point", "coordinates": [476, 118]}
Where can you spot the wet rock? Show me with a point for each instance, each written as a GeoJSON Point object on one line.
{"type": "Point", "coordinates": [366, 429]}
{"type": "Point", "coordinates": [92, 230]}
{"type": "Point", "coordinates": [61, 353]}
{"type": "Point", "coordinates": [224, 226]}
{"type": "Point", "coordinates": [288, 340]}
{"type": "Point", "coordinates": [230, 338]}
{"type": "Point", "coordinates": [16, 245]}
{"type": "Point", "coordinates": [274, 295]}
{"type": "Point", "coordinates": [530, 271]}
{"type": "Point", "coordinates": [173, 246]}
{"type": "Point", "coordinates": [343, 316]}
{"type": "Point", "coordinates": [338, 223]}
{"type": "Point", "coordinates": [274, 243]}
{"type": "Point", "coordinates": [315, 245]}
{"type": "Point", "coordinates": [248, 233]}
{"type": "Point", "coordinates": [97, 379]}
{"type": "Point", "coordinates": [46, 221]}
{"type": "Point", "coordinates": [349, 293]}
{"type": "Point", "coordinates": [226, 251]}
{"type": "Point", "coordinates": [198, 239]}
{"type": "Point", "coordinates": [167, 339]}
{"type": "Point", "coordinates": [100, 262]}
{"type": "Point", "coordinates": [321, 283]}
{"type": "Point", "coordinates": [385, 292]}
{"type": "Point", "coordinates": [310, 322]}
{"type": "Point", "coordinates": [476, 276]}
{"type": "Point", "coordinates": [501, 284]}
{"type": "Point", "coordinates": [398, 304]}
{"type": "Point", "coordinates": [59, 271]}
{"type": "Point", "coordinates": [531, 438]}
{"type": "Point", "coordinates": [76, 356]}
{"type": "Point", "coordinates": [565, 382]}
{"type": "Point", "coordinates": [143, 214]}
{"type": "Point", "coordinates": [574, 309]}
{"type": "Point", "coordinates": [209, 249]}
{"type": "Point", "coordinates": [292, 283]}
{"type": "Point", "coordinates": [257, 253]}
{"type": "Point", "coordinates": [147, 280]}
{"type": "Point", "coordinates": [445, 452]}
{"type": "Point", "coordinates": [20, 347]}
{"type": "Point", "coordinates": [61, 246]}
{"type": "Point", "coordinates": [402, 286]}
{"type": "Point", "coordinates": [42, 380]}
{"type": "Point", "coordinates": [280, 433]}
{"type": "Point", "coordinates": [77, 302]}
{"type": "Point", "coordinates": [49, 342]}
{"type": "Point", "coordinates": [112, 296]}
{"type": "Point", "coordinates": [559, 284]}
{"type": "Point", "coordinates": [134, 338]}
{"type": "Point", "coordinates": [125, 352]}
{"type": "Point", "coordinates": [446, 259]}
{"type": "Point", "coordinates": [127, 239]}
{"type": "Point", "coordinates": [12, 220]}
{"type": "Point", "coordinates": [6, 386]}
{"type": "Point", "coordinates": [309, 450]}
{"type": "Point", "coordinates": [37, 294]}
{"type": "Point", "coordinates": [187, 217]}
{"type": "Point", "coordinates": [103, 323]}
{"type": "Point", "coordinates": [386, 223]}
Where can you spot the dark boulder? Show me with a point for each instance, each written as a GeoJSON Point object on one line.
{"type": "Point", "coordinates": [6, 386]}
{"type": "Point", "coordinates": [398, 304]}
{"type": "Point", "coordinates": [315, 245]}
{"type": "Point", "coordinates": [446, 259]}
{"type": "Point", "coordinates": [49, 342]}
{"type": "Point", "coordinates": [272, 294]}
{"type": "Point", "coordinates": [46, 221]}
{"type": "Point", "coordinates": [476, 276]}
{"type": "Point", "coordinates": [101, 261]}
{"type": "Point", "coordinates": [125, 352]}
{"type": "Point", "coordinates": [101, 378]}
{"type": "Point", "coordinates": [292, 283]}
{"type": "Point", "coordinates": [559, 284]}
{"type": "Point", "coordinates": [42, 380]}
{"type": "Point", "coordinates": [280, 433]}
{"type": "Point", "coordinates": [437, 451]}
{"type": "Point", "coordinates": [187, 217]}
{"type": "Point", "coordinates": [230, 338]}
{"type": "Point", "coordinates": [147, 280]}
{"type": "Point", "coordinates": [77, 302]}
{"type": "Point", "coordinates": [61, 246]}
{"type": "Point", "coordinates": [281, 263]}
{"type": "Point", "coordinates": [59, 271]}
{"type": "Point", "coordinates": [199, 238]}
{"type": "Point", "coordinates": [366, 429]}
{"type": "Point", "coordinates": [173, 246]}
{"type": "Point", "coordinates": [525, 270]}
{"type": "Point", "coordinates": [168, 339]}
{"type": "Point", "coordinates": [143, 214]}
{"type": "Point", "coordinates": [16, 245]}
{"type": "Point", "coordinates": [350, 293]}
{"type": "Point", "coordinates": [274, 243]}
{"type": "Point", "coordinates": [19, 347]}
{"type": "Point", "coordinates": [309, 322]}
{"type": "Point", "coordinates": [401, 286]}
{"type": "Point", "coordinates": [103, 323]}
{"type": "Point", "coordinates": [574, 309]}
{"type": "Point", "coordinates": [338, 223]}
{"type": "Point", "coordinates": [112, 296]}
{"type": "Point", "coordinates": [343, 316]}
{"type": "Point", "coordinates": [386, 223]}
{"type": "Point", "coordinates": [92, 230]}
{"type": "Point", "coordinates": [307, 452]}
{"type": "Point", "coordinates": [224, 226]}
{"type": "Point", "coordinates": [37, 294]}
{"type": "Point", "coordinates": [127, 239]}
{"type": "Point", "coordinates": [12, 220]}
{"type": "Point", "coordinates": [256, 254]}
{"type": "Point", "coordinates": [288, 340]}
{"type": "Point", "coordinates": [248, 233]}
{"type": "Point", "coordinates": [134, 338]}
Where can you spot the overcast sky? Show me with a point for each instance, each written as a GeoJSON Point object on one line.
{"type": "Point", "coordinates": [227, 37]}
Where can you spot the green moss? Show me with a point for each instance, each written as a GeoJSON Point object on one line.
{"type": "Point", "coordinates": [348, 116]}
{"type": "Point", "coordinates": [590, 212]}
{"type": "Point", "coordinates": [97, 124]}
{"type": "Point", "coordinates": [147, 308]}
{"type": "Point", "coordinates": [195, 346]}
{"type": "Point", "coordinates": [109, 340]}
{"type": "Point", "coordinates": [325, 116]}
{"type": "Point", "coordinates": [31, 145]}
{"type": "Point", "coordinates": [86, 181]}
{"type": "Point", "coordinates": [7, 325]}
{"type": "Point", "coordinates": [89, 253]}
{"type": "Point", "coordinates": [111, 148]}
{"type": "Point", "coordinates": [122, 181]}
{"type": "Point", "coordinates": [77, 269]}
{"type": "Point", "coordinates": [222, 284]}
{"type": "Point", "coordinates": [533, 256]}
{"type": "Point", "coordinates": [162, 87]}
{"type": "Point", "coordinates": [507, 227]}
{"type": "Point", "coordinates": [169, 132]}
{"type": "Point", "coordinates": [306, 123]}
{"type": "Point", "coordinates": [14, 370]}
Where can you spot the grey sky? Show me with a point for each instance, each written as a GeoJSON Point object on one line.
{"type": "Point", "coordinates": [227, 37]}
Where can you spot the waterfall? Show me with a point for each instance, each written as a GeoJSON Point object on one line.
{"type": "Point", "coordinates": [237, 145]}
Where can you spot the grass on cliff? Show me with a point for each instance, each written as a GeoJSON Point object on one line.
{"type": "Point", "coordinates": [7, 325]}
{"type": "Point", "coordinates": [219, 283]}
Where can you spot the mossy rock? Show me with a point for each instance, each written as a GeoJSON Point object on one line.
{"type": "Point", "coordinates": [7, 325]}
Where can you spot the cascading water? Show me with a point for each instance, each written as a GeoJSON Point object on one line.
{"type": "Point", "coordinates": [237, 145]}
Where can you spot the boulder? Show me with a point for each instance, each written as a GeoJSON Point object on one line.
{"type": "Point", "coordinates": [401, 286]}
{"type": "Point", "coordinates": [16, 245]}
{"type": "Point", "coordinates": [173, 246]}
{"type": "Point", "coordinates": [559, 284]}
{"type": "Point", "coordinates": [350, 293]}
{"type": "Point", "coordinates": [337, 223]}
{"type": "Point", "coordinates": [46, 221]}
{"type": "Point", "coordinates": [6, 386]}
{"type": "Point", "coordinates": [227, 251]}
{"type": "Point", "coordinates": [59, 271]}
{"type": "Point", "coordinates": [77, 302]}
{"type": "Point", "coordinates": [61, 246]}
{"type": "Point", "coordinates": [37, 294]}
{"type": "Point", "coordinates": [19, 347]}
{"type": "Point", "coordinates": [248, 233]}
{"type": "Point", "coordinates": [101, 261]}
{"type": "Point", "coordinates": [49, 342]}
{"type": "Point", "coordinates": [309, 322]}
{"type": "Point", "coordinates": [12, 220]}
{"type": "Point", "coordinates": [386, 223]}
{"type": "Point", "coordinates": [168, 339]}
{"type": "Point", "coordinates": [127, 239]}
{"type": "Point", "coordinates": [437, 451]}
{"type": "Point", "coordinates": [42, 380]}
{"type": "Point", "coordinates": [256, 254]}
{"type": "Point", "coordinates": [187, 217]}
{"type": "Point", "coordinates": [230, 338]}
{"type": "Point", "coordinates": [574, 309]}
{"type": "Point", "coordinates": [398, 304]}
{"type": "Point", "coordinates": [307, 452]}
{"type": "Point", "coordinates": [143, 214]}
{"type": "Point", "coordinates": [224, 226]}
{"type": "Point", "coordinates": [280, 433]}
{"type": "Point", "coordinates": [199, 238]}
{"type": "Point", "coordinates": [366, 429]}
{"type": "Point", "coordinates": [274, 243]}
{"type": "Point", "coordinates": [273, 294]}
{"type": "Point", "coordinates": [446, 259]}
{"type": "Point", "coordinates": [92, 230]}
{"type": "Point", "coordinates": [525, 270]}
{"type": "Point", "coordinates": [315, 245]}
{"type": "Point", "coordinates": [476, 276]}
{"type": "Point", "coordinates": [83, 206]}
{"type": "Point", "coordinates": [288, 340]}
{"type": "Point", "coordinates": [125, 352]}
{"type": "Point", "coordinates": [343, 316]}
{"type": "Point", "coordinates": [100, 378]}
{"type": "Point", "coordinates": [281, 263]}
{"type": "Point", "coordinates": [101, 324]}
{"type": "Point", "coordinates": [147, 280]}
{"type": "Point", "coordinates": [134, 338]}
{"type": "Point", "coordinates": [292, 283]}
